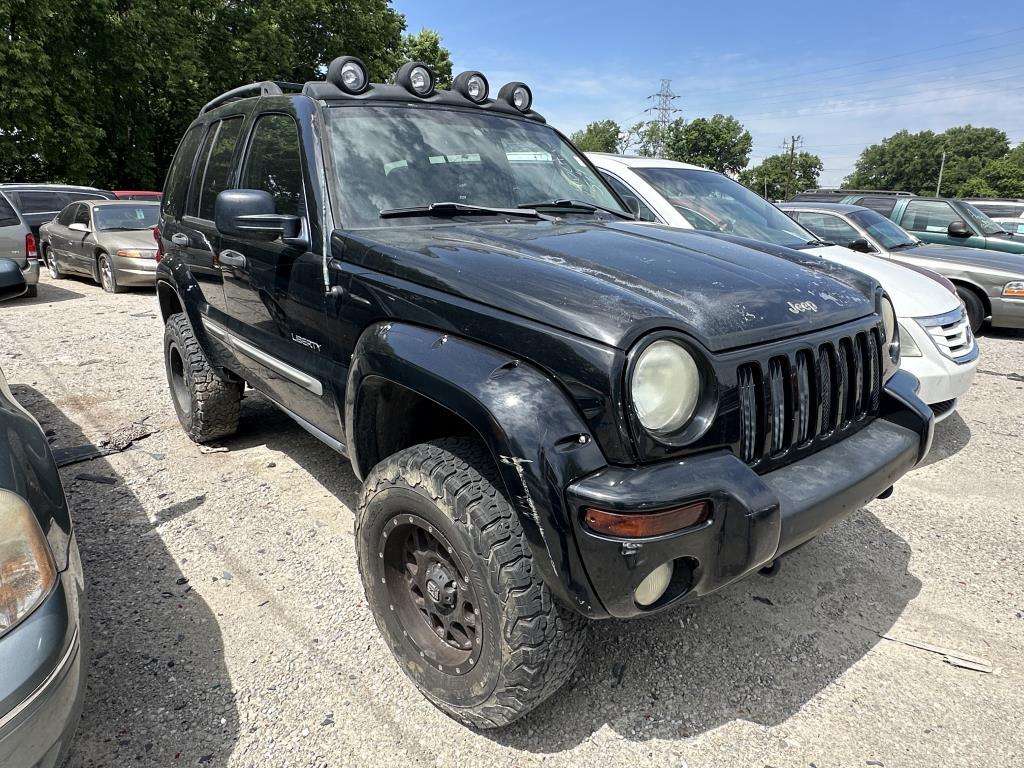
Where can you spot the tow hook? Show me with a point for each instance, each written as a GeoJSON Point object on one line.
{"type": "Point", "coordinates": [771, 570]}
{"type": "Point", "coordinates": [886, 493]}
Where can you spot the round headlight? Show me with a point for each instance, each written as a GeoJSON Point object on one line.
{"type": "Point", "coordinates": [415, 76]}
{"type": "Point", "coordinates": [472, 85]}
{"type": "Point", "coordinates": [518, 95]}
{"type": "Point", "coordinates": [349, 74]}
{"type": "Point", "coordinates": [665, 387]}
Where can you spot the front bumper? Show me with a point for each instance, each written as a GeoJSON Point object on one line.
{"type": "Point", "coordinates": [31, 271]}
{"type": "Point", "coordinates": [754, 518]}
{"type": "Point", "coordinates": [1007, 313]}
{"type": "Point", "coordinates": [940, 379]}
{"type": "Point", "coordinates": [42, 676]}
{"type": "Point", "coordinates": [131, 271]}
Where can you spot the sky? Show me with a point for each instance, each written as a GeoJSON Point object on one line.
{"type": "Point", "coordinates": [839, 75]}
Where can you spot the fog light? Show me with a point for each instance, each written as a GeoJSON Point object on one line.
{"type": "Point", "coordinates": [349, 74]}
{"type": "Point", "coordinates": [416, 77]}
{"type": "Point", "coordinates": [518, 95]}
{"type": "Point", "coordinates": [472, 85]}
{"type": "Point", "coordinates": [653, 587]}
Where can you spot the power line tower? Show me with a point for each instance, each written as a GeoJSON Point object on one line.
{"type": "Point", "coordinates": [790, 146]}
{"type": "Point", "coordinates": [664, 110]}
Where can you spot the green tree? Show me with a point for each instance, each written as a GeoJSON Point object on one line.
{"type": "Point", "coordinates": [100, 91]}
{"type": "Point", "coordinates": [426, 46]}
{"type": "Point", "coordinates": [720, 143]}
{"type": "Point", "coordinates": [601, 136]}
{"type": "Point", "coordinates": [968, 150]}
{"type": "Point", "coordinates": [779, 177]}
{"type": "Point", "coordinates": [1003, 177]}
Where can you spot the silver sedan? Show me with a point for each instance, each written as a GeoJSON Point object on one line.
{"type": "Point", "coordinates": [110, 241]}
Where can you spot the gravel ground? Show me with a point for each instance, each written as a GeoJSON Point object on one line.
{"type": "Point", "coordinates": [229, 626]}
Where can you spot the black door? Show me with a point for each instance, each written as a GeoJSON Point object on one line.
{"type": "Point", "coordinates": [275, 291]}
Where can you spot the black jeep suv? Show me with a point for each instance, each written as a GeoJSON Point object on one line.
{"type": "Point", "coordinates": [558, 413]}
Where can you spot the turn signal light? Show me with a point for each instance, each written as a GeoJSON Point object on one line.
{"type": "Point", "coordinates": [640, 525]}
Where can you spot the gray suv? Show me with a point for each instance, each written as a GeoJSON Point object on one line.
{"type": "Point", "coordinates": [23, 209]}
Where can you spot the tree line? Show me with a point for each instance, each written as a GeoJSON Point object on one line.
{"type": "Point", "coordinates": [100, 91]}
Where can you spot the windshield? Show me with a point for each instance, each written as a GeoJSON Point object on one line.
{"type": "Point", "coordinates": [108, 217]}
{"type": "Point", "coordinates": [887, 233]}
{"type": "Point", "coordinates": [984, 223]}
{"type": "Point", "coordinates": [713, 202]}
{"type": "Point", "coordinates": [393, 157]}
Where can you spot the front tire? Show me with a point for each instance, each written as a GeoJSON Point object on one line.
{"type": "Point", "coordinates": [31, 292]}
{"type": "Point", "coordinates": [207, 406]}
{"type": "Point", "coordinates": [975, 308]}
{"type": "Point", "coordinates": [52, 265]}
{"type": "Point", "coordinates": [108, 278]}
{"type": "Point", "coordinates": [450, 579]}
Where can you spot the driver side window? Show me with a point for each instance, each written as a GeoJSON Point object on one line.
{"type": "Point", "coordinates": [928, 216]}
{"type": "Point", "coordinates": [274, 163]}
{"type": "Point", "coordinates": [67, 215]}
{"type": "Point", "coordinates": [82, 216]}
{"type": "Point", "coordinates": [646, 214]}
{"type": "Point", "coordinates": [831, 228]}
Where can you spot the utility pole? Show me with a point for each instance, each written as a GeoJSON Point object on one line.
{"type": "Point", "coordinates": [790, 145]}
{"type": "Point", "coordinates": [663, 110]}
{"type": "Point", "coordinates": [942, 167]}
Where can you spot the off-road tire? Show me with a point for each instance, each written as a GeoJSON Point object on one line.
{"type": "Point", "coordinates": [975, 308]}
{"type": "Point", "coordinates": [530, 643]}
{"type": "Point", "coordinates": [207, 406]}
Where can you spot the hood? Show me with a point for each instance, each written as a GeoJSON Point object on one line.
{"type": "Point", "coordinates": [913, 294]}
{"type": "Point", "coordinates": [611, 282]}
{"type": "Point", "coordinates": [974, 257]}
{"type": "Point", "coordinates": [141, 239]}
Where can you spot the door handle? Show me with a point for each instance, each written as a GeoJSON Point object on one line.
{"type": "Point", "coordinates": [179, 238]}
{"type": "Point", "coordinates": [232, 259]}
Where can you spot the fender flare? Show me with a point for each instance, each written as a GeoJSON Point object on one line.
{"type": "Point", "coordinates": [533, 430]}
{"type": "Point", "coordinates": [182, 284]}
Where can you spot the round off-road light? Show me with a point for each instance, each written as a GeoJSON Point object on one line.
{"type": "Point", "coordinates": [416, 77]}
{"type": "Point", "coordinates": [518, 95]}
{"type": "Point", "coordinates": [665, 387]}
{"type": "Point", "coordinates": [472, 85]}
{"type": "Point", "coordinates": [653, 587]}
{"type": "Point", "coordinates": [349, 74]}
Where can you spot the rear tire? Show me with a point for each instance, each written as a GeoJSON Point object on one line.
{"type": "Point", "coordinates": [207, 406]}
{"type": "Point", "coordinates": [435, 513]}
{"type": "Point", "coordinates": [975, 308]}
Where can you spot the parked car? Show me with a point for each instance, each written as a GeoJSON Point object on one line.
{"type": "Point", "coordinates": [1014, 226]}
{"type": "Point", "coordinates": [109, 241]}
{"type": "Point", "coordinates": [927, 308]}
{"type": "Point", "coordinates": [438, 286]}
{"type": "Point", "coordinates": [138, 194]}
{"type": "Point", "coordinates": [997, 208]}
{"type": "Point", "coordinates": [23, 208]}
{"type": "Point", "coordinates": [42, 604]}
{"type": "Point", "coordinates": [933, 219]}
{"type": "Point", "coordinates": [990, 283]}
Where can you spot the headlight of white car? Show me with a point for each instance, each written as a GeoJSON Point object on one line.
{"type": "Point", "coordinates": [27, 571]}
{"type": "Point", "coordinates": [891, 329]}
{"type": "Point", "coordinates": [665, 387]}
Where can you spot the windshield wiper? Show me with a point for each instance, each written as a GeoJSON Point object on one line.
{"type": "Point", "coordinates": [581, 205]}
{"type": "Point", "coordinates": [902, 245]}
{"type": "Point", "coordinates": [459, 209]}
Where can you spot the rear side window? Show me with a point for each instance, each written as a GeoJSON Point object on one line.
{"type": "Point", "coordinates": [274, 163]}
{"type": "Point", "coordinates": [882, 205]}
{"type": "Point", "coordinates": [8, 216]}
{"type": "Point", "coordinates": [180, 171]}
{"type": "Point", "coordinates": [67, 215]}
{"type": "Point", "coordinates": [40, 202]}
{"type": "Point", "coordinates": [218, 165]}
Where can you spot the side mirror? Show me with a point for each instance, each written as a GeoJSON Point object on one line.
{"type": "Point", "coordinates": [633, 204]}
{"type": "Point", "coordinates": [251, 214]}
{"type": "Point", "coordinates": [12, 282]}
{"type": "Point", "coordinates": [958, 229]}
{"type": "Point", "coordinates": [78, 227]}
{"type": "Point", "coordinates": [861, 246]}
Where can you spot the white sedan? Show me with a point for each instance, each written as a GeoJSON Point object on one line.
{"type": "Point", "coordinates": [938, 346]}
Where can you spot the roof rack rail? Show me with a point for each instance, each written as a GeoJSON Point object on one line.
{"type": "Point", "coordinates": [263, 88]}
{"type": "Point", "coordinates": [844, 191]}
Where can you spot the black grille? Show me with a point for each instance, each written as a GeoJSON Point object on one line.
{"type": "Point", "coordinates": [792, 400]}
